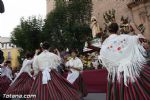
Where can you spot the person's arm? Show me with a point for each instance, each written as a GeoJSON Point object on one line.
{"type": "Point", "coordinates": [35, 66]}
{"type": "Point", "coordinates": [9, 73]}
{"type": "Point", "coordinates": [58, 53]}
{"type": "Point", "coordinates": [75, 68]}
{"type": "Point", "coordinates": [79, 66]}
{"type": "Point", "coordinates": [68, 66]}
{"type": "Point", "coordinates": [30, 63]}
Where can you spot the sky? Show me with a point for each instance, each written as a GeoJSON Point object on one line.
{"type": "Point", "coordinates": [16, 9]}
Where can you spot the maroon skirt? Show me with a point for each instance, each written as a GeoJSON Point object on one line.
{"type": "Point", "coordinates": [22, 85]}
{"type": "Point", "coordinates": [139, 90]}
{"type": "Point", "coordinates": [80, 85]}
{"type": "Point", "coordinates": [4, 84]}
{"type": "Point", "coordinates": [57, 88]}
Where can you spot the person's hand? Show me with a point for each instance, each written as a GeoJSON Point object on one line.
{"type": "Point", "coordinates": [37, 51]}
{"type": "Point", "coordinates": [32, 73]}
{"type": "Point", "coordinates": [142, 40]}
{"type": "Point", "coordinates": [69, 71]}
{"type": "Point", "coordinates": [34, 77]}
{"type": "Point", "coordinates": [146, 45]}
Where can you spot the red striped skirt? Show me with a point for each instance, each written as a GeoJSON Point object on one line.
{"type": "Point", "coordinates": [4, 84]}
{"type": "Point", "coordinates": [57, 88]}
{"type": "Point", "coordinates": [22, 85]}
{"type": "Point", "coordinates": [80, 85]}
{"type": "Point", "coordinates": [139, 90]}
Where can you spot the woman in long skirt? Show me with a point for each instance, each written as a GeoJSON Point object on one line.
{"type": "Point", "coordinates": [23, 81]}
{"type": "Point", "coordinates": [5, 77]}
{"type": "Point", "coordinates": [138, 90]}
{"type": "Point", "coordinates": [49, 85]}
{"type": "Point", "coordinates": [75, 75]}
{"type": "Point", "coordinates": [128, 74]}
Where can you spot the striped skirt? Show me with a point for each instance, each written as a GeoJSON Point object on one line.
{"type": "Point", "coordinates": [139, 90]}
{"type": "Point", "coordinates": [4, 84]}
{"type": "Point", "coordinates": [56, 89]}
{"type": "Point", "coordinates": [80, 85]}
{"type": "Point", "coordinates": [22, 85]}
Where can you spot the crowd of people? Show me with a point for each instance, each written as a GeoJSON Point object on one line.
{"type": "Point", "coordinates": [42, 74]}
{"type": "Point", "coordinates": [123, 55]}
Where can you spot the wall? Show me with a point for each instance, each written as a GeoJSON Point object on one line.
{"type": "Point", "coordinates": [135, 14]}
{"type": "Point", "coordinates": [141, 15]}
{"type": "Point", "coordinates": [14, 53]}
{"type": "Point", "coordinates": [101, 6]}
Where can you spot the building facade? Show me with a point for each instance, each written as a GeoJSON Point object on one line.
{"type": "Point", "coordinates": [11, 52]}
{"type": "Point", "coordinates": [138, 11]}
{"type": "Point", "coordinates": [141, 14]}
{"type": "Point", "coordinates": [50, 5]}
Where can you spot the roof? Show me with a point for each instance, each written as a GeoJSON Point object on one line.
{"type": "Point", "coordinates": [4, 39]}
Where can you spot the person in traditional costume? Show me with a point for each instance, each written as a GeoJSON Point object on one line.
{"type": "Point", "coordinates": [23, 81]}
{"type": "Point", "coordinates": [60, 67]}
{"type": "Point", "coordinates": [128, 73]}
{"type": "Point", "coordinates": [5, 77]}
{"type": "Point", "coordinates": [49, 85]}
{"type": "Point", "coordinates": [75, 66]}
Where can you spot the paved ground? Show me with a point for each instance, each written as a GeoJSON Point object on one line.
{"type": "Point", "coordinates": [96, 96]}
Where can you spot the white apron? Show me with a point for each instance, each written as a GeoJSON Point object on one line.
{"type": "Point", "coordinates": [72, 76]}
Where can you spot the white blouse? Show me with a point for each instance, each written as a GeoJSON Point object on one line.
{"type": "Point", "coordinates": [77, 63]}
{"type": "Point", "coordinates": [74, 73]}
{"type": "Point", "coordinates": [45, 60]}
{"type": "Point", "coordinates": [26, 67]}
{"type": "Point", "coordinates": [6, 71]}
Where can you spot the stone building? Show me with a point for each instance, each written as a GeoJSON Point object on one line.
{"type": "Point", "coordinates": [50, 5]}
{"type": "Point", "coordinates": [138, 11]}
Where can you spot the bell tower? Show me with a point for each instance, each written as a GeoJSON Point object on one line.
{"type": "Point", "coordinates": [50, 5]}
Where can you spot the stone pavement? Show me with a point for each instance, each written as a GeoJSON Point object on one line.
{"type": "Point", "coordinates": [96, 96]}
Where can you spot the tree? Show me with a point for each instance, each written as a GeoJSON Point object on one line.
{"type": "Point", "coordinates": [67, 26]}
{"type": "Point", "coordinates": [27, 34]}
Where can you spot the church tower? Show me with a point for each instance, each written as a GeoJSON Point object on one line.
{"type": "Point", "coordinates": [50, 5]}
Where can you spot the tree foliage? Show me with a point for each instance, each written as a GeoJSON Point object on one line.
{"type": "Point", "coordinates": [67, 26]}
{"type": "Point", "coordinates": [27, 34]}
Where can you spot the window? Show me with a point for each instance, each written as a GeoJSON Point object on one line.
{"type": "Point", "coordinates": [2, 45]}
{"type": "Point", "coordinates": [9, 55]}
{"type": "Point", "coordinates": [9, 44]}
